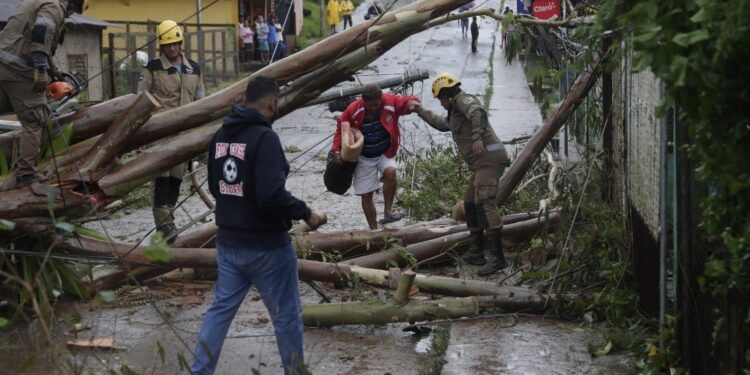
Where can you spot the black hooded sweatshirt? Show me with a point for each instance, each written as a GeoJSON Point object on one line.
{"type": "Point", "coordinates": [247, 173]}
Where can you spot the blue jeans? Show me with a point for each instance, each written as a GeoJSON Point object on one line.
{"type": "Point", "coordinates": [274, 274]}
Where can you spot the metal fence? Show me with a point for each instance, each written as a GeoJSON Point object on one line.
{"type": "Point", "coordinates": [213, 46]}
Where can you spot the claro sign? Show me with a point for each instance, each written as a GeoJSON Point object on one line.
{"type": "Point", "coordinates": [546, 9]}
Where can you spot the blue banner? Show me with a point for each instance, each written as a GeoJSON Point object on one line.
{"type": "Point", "coordinates": [521, 8]}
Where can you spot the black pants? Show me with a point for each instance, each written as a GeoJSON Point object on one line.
{"type": "Point", "coordinates": [474, 44]}
{"type": "Point", "coordinates": [347, 18]}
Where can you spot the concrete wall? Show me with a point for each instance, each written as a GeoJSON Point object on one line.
{"type": "Point", "coordinates": [224, 11]}
{"type": "Point", "coordinates": [642, 96]}
{"type": "Point", "coordinates": [84, 41]}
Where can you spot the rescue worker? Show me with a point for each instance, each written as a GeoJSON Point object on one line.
{"type": "Point", "coordinates": [347, 7]}
{"type": "Point", "coordinates": [333, 14]}
{"type": "Point", "coordinates": [27, 44]}
{"type": "Point", "coordinates": [485, 154]}
{"type": "Point", "coordinates": [174, 81]}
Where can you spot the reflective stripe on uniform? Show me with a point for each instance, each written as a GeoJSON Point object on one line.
{"type": "Point", "coordinates": [495, 147]}
{"type": "Point", "coordinates": [44, 21]}
{"type": "Point", "coordinates": [13, 59]}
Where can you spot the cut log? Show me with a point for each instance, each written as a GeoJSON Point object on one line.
{"type": "Point", "coordinates": [404, 287]}
{"type": "Point", "coordinates": [332, 314]}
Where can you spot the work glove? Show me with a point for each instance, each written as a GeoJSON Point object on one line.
{"type": "Point", "coordinates": [55, 73]}
{"type": "Point", "coordinates": [41, 80]}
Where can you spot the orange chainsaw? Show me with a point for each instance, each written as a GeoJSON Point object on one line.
{"type": "Point", "coordinates": [61, 95]}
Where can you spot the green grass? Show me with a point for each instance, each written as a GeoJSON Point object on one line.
{"type": "Point", "coordinates": [439, 346]}
{"type": "Point", "coordinates": [310, 33]}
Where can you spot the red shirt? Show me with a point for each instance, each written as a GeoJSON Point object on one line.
{"type": "Point", "coordinates": [392, 106]}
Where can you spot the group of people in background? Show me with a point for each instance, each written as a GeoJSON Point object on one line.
{"type": "Point", "coordinates": [337, 10]}
{"type": "Point", "coordinates": [262, 36]}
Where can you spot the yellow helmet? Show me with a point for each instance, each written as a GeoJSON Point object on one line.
{"type": "Point", "coordinates": [168, 32]}
{"type": "Point", "coordinates": [444, 81]}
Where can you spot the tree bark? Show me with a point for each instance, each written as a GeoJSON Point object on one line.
{"type": "Point", "coordinates": [87, 122]}
{"type": "Point", "coordinates": [108, 146]}
{"type": "Point", "coordinates": [344, 274]}
{"type": "Point", "coordinates": [332, 314]}
{"type": "Point", "coordinates": [439, 248]}
{"type": "Point", "coordinates": [541, 138]}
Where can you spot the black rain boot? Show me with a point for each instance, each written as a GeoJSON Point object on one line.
{"type": "Point", "coordinates": [497, 257]}
{"type": "Point", "coordinates": [475, 254]}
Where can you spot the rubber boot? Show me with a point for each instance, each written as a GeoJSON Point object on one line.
{"type": "Point", "coordinates": [164, 221]}
{"type": "Point", "coordinates": [497, 257]}
{"type": "Point", "coordinates": [475, 254]}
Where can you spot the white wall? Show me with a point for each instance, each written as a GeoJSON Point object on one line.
{"type": "Point", "coordinates": [79, 41]}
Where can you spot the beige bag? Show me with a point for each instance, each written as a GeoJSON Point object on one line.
{"type": "Point", "coordinates": [351, 143]}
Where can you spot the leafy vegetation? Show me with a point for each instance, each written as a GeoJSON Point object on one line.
{"type": "Point", "coordinates": [435, 179]}
{"type": "Point", "coordinates": [699, 49]}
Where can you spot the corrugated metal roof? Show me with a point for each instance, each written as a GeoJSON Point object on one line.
{"type": "Point", "coordinates": [7, 7]}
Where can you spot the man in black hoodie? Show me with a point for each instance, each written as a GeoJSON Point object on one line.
{"type": "Point", "coordinates": [247, 173]}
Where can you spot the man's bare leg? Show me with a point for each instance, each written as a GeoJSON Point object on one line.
{"type": "Point", "coordinates": [368, 207]}
{"type": "Point", "coordinates": [389, 189]}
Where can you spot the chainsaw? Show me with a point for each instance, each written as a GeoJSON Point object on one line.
{"type": "Point", "coordinates": [61, 94]}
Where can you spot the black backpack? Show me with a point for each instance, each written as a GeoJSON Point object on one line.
{"type": "Point", "coordinates": [338, 178]}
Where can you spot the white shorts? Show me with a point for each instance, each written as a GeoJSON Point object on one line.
{"type": "Point", "coordinates": [368, 173]}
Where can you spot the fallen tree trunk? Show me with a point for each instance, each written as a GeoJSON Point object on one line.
{"type": "Point", "coordinates": [340, 273]}
{"type": "Point", "coordinates": [428, 243]}
{"type": "Point", "coordinates": [87, 122]}
{"type": "Point", "coordinates": [312, 70]}
{"type": "Point", "coordinates": [406, 77]}
{"type": "Point", "coordinates": [333, 314]}
{"type": "Point", "coordinates": [489, 12]}
{"type": "Point", "coordinates": [401, 309]}
{"type": "Point", "coordinates": [108, 146]}
{"type": "Point", "coordinates": [530, 153]}
{"type": "Point", "coordinates": [440, 248]}
{"type": "Point", "coordinates": [352, 243]}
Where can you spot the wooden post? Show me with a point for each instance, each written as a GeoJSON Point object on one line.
{"type": "Point", "coordinates": [213, 57]}
{"type": "Point", "coordinates": [134, 66]}
{"type": "Point", "coordinates": [201, 49]}
{"type": "Point", "coordinates": [186, 44]}
{"type": "Point", "coordinates": [112, 66]}
{"type": "Point", "coordinates": [223, 54]}
{"type": "Point", "coordinates": [402, 293]}
{"type": "Point", "coordinates": [151, 27]}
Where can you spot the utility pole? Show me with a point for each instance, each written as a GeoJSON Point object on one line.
{"type": "Point", "coordinates": [198, 8]}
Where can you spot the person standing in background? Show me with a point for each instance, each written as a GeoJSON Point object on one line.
{"type": "Point", "coordinates": [247, 34]}
{"type": "Point", "coordinates": [261, 31]}
{"type": "Point", "coordinates": [333, 15]}
{"type": "Point", "coordinates": [346, 11]}
{"type": "Point", "coordinates": [474, 34]}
